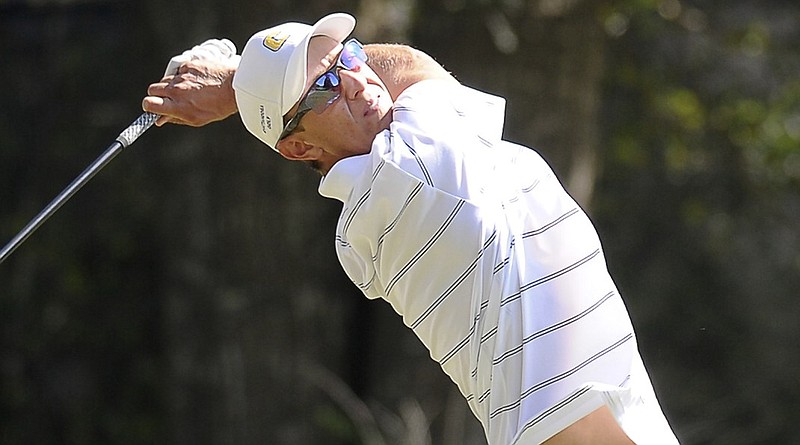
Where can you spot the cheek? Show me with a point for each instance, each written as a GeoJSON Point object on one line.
{"type": "Point", "coordinates": [340, 134]}
{"type": "Point", "coordinates": [351, 139]}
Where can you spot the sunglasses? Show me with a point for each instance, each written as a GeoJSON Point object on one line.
{"type": "Point", "coordinates": [325, 89]}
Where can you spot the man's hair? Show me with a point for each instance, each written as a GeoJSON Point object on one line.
{"type": "Point", "coordinates": [316, 166]}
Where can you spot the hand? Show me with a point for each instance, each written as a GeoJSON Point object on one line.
{"type": "Point", "coordinates": [200, 93]}
{"type": "Point", "coordinates": [196, 88]}
{"type": "Point", "coordinates": [212, 49]}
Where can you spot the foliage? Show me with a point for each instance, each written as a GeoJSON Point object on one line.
{"type": "Point", "coordinates": [701, 120]}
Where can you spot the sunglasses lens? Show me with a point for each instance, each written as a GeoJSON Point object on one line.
{"type": "Point", "coordinates": [353, 54]}
{"type": "Point", "coordinates": [327, 81]}
{"type": "Point", "coordinates": [319, 100]}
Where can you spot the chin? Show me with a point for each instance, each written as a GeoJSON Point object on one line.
{"type": "Point", "coordinates": [385, 120]}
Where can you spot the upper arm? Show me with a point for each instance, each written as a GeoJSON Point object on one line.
{"type": "Point", "coordinates": [400, 66]}
{"type": "Point", "coordinates": [598, 428]}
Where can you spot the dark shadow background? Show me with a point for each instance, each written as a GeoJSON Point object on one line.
{"type": "Point", "coordinates": [190, 293]}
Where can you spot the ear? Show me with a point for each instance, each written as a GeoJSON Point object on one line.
{"type": "Point", "coordinates": [295, 149]}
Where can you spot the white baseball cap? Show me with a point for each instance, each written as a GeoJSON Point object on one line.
{"type": "Point", "coordinates": [271, 77]}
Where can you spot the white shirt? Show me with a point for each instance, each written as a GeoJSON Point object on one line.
{"type": "Point", "coordinates": [475, 243]}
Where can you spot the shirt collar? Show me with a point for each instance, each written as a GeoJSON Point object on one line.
{"type": "Point", "coordinates": [339, 182]}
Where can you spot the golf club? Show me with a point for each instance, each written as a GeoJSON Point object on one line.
{"type": "Point", "coordinates": [126, 138]}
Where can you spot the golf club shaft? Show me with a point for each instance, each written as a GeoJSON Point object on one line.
{"type": "Point", "coordinates": [126, 138]}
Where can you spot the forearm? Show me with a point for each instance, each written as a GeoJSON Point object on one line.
{"type": "Point", "coordinates": [200, 92]}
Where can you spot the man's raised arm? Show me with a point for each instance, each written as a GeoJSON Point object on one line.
{"type": "Point", "coordinates": [201, 90]}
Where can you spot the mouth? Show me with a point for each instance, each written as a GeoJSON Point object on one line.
{"type": "Point", "coordinates": [373, 105]}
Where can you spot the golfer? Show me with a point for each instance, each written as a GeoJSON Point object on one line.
{"type": "Point", "coordinates": [470, 238]}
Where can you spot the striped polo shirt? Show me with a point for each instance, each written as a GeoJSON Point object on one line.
{"type": "Point", "coordinates": [501, 275]}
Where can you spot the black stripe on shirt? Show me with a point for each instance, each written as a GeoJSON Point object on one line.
{"type": "Point", "coordinates": [550, 225]}
{"type": "Point", "coordinates": [450, 289]}
{"type": "Point", "coordinates": [340, 238]}
{"type": "Point", "coordinates": [552, 328]}
{"type": "Point", "coordinates": [535, 335]}
{"type": "Point", "coordinates": [483, 396]}
{"type": "Point", "coordinates": [342, 242]}
{"type": "Point", "coordinates": [422, 167]}
{"type": "Point", "coordinates": [355, 209]}
{"type": "Point", "coordinates": [465, 341]}
{"type": "Point", "coordinates": [501, 265]}
{"type": "Point", "coordinates": [414, 192]}
{"type": "Point", "coordinates": [532, 186]}
{"type": "Point", "coordinates": [553, 409]}
{"type": "Point", "coordinates": [560, 377]}
{"type": "Point", "coordinates": [362, 200]}
{"type": "Point", "coordinates": [554, 275]}
{"type": "Point", "coordinates": [525, 190]}
{"type": "Point", "coordinates": [457, 348]}
{"type": "Point", "coordinates": [368, 284]}
{"type": "Point", "coordinates": [390, 285]}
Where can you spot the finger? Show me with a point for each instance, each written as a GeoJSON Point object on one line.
{"type": "Point", "coordinates": [159, 105]}
{"type": "Point", "coordinates": [157, 89]}
{"type": "Point", "coordinates": [162, 120]}
{"type": "Point", "coordinates": [149, 104]}
{"type": "Point", "coordinates": [152, 103]}
{"type": "Point", "coordinates": [162, 107]}
{"type": "Point", "coordinates": [186, 68]}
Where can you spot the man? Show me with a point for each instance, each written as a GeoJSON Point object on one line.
{"type": "Point", "coordinates": [470, 238]}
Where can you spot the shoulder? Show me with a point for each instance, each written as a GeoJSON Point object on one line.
{"type": "Point", "coordinates": [436, 108]}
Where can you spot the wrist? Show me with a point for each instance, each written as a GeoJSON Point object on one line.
{"type": "Point", "coordinates": [229, 93]}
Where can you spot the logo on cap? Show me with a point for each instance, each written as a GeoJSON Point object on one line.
{"type": "Point", "coordinates": [276, 40]}
{"type": "Point", "coordinates": [266, 122]}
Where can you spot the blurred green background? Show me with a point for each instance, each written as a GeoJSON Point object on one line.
{"type": "Point", "coordinates": [190, 294]}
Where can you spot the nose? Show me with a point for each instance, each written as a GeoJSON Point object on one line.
{"type": "Point", "coordinates": [353, 83]}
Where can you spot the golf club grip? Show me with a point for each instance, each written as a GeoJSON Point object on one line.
{"type": "Point", "coordinates": [137, 128]}
{"type": "Point", "coordinates": [127, 137]}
